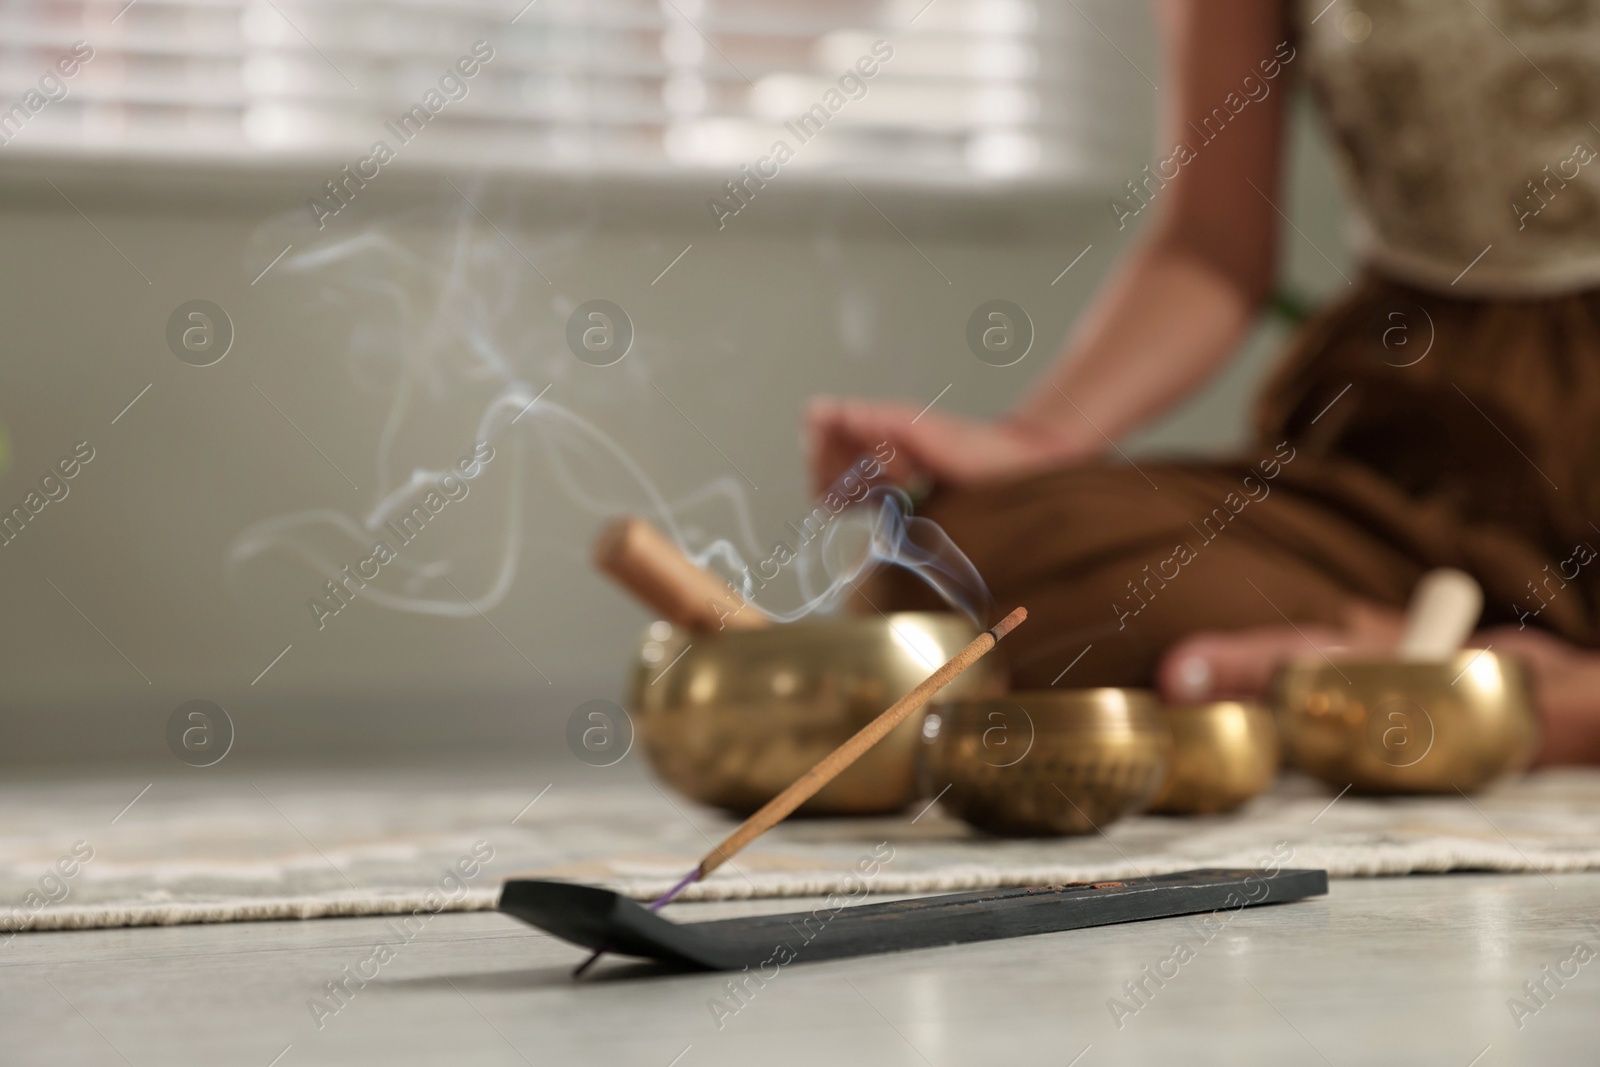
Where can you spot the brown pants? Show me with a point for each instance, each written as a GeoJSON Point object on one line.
{"type": "Point", "coordinates": [1405, 431]}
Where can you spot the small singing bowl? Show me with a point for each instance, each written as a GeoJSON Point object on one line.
{"type": "Point", "coordinates": [1046, 763]}
{"type": "Point", "coordinates": [731, 719]}
{"type": "Point", "coordinates": [1388, 726]}
{"type": "Point", "coordinates": [1223, 753]}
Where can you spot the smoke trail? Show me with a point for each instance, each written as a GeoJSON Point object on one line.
{"type": "Point", "coordinates": [439, 331]}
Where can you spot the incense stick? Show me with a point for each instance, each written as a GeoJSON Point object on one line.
{"type": "Point", "coordinates": [830, 766]}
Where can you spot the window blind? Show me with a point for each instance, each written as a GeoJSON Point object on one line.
{"type": "Point", "coordinates": [962, 91]}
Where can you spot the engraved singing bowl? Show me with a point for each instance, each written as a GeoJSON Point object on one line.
{"type": "Point", "coordinates": [1045, 763]}
{"type": "Point", "coordinates": [731, 719]}
{"type": "Point", "coordinates": [1387, 726]}
{"type": "Point", "coordinates": [1223, 753]}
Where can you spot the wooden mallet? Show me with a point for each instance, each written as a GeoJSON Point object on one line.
{"type": "Point", "coordinates": [829, 767]}
{"type": "Point", "coordinates": [644, 561]}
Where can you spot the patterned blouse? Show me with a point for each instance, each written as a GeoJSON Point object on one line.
{"type": "Point", "coordinates": [1469, 136]}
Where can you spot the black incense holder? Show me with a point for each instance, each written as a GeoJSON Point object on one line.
{"type": "Point", "coordinates": [602, 920]}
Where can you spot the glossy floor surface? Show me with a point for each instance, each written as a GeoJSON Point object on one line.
{"type": "Point", "coordinates": [1417, 970]}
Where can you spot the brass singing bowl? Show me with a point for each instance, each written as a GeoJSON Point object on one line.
{"type": "Point", "coordinates": [1387, 726]}
{"type": "Point", "coordinates": [731, 719]}
{"type": "Point", "coordinates": [1048, 762]}
{"type": "Point", "coordinates": [1223, 753]}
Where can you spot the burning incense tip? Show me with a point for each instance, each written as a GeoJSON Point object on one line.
{"type": "Point", "coordinates": [1009, 623]}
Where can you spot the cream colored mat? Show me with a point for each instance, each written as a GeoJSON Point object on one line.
{"type": "Point", "coordinates": [218, 849]}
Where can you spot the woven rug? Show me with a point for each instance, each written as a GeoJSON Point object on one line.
{"type": "Point", "coordinates": [75, 855]}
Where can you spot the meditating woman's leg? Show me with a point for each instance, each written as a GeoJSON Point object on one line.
{"type": "Point", "coordinates": [1118, 563]}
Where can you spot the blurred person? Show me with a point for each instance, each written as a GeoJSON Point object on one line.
{"type": "Point", "coordinates": [1444, 411]}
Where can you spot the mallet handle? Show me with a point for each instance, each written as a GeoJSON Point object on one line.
{"type": "Point", "coordinates": [649, 565]}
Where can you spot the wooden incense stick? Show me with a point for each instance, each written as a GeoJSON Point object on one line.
{"type": "Point", "coordinates": [649, 565]}
{"type": "Point", "coordinates": [829, 767]}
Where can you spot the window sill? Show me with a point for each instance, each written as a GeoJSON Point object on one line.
{"type": "Point", "coordinates": [678, 199]}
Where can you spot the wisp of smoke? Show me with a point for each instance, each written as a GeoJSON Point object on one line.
{"type": "Point", "coordinates": [437, 332]}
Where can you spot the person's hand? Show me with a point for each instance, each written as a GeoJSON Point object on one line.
{"type": "Point", "coordinates": [1566, 687]}
{"type": "Point", "coordinates": [927, 443]}
{"type": "Point", "coordinates": [1238, 664]}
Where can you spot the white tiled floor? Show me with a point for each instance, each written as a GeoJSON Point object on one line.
{"type": "Point", "coordinates": [1408, 971]}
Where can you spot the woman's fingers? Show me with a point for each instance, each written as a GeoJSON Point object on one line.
{"type": "Point", "coordinates": [1223, 665]}
{"type": "Point", "coordinates": [828, 448]}
{"type": "Point", "coordinates": [923, 442]}
{"type": "Point", "coordinates": [838, 434]}
{"type": "Point", "coordinates": [1237, 665]}
{"type": "Point", "coordinates": [840, 431]}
